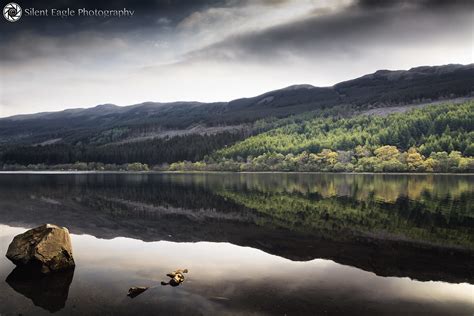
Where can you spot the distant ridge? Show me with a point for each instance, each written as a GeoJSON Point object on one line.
{"type": "Point", "coordinates": [383, 88]}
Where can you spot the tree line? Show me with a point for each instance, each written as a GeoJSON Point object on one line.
{"type": "Point", "coordinates": [152, 152]}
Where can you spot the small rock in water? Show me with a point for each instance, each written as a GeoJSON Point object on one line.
{"type": "Point", "coordinates": [134, 291]}
{"type": "Point", "coordinates": [177, 277]}
{"type": "Point", "coordinates": [46, 248]}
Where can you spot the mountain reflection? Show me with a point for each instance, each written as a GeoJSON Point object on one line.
{"type": "Point", "coordinates": [419, 226]}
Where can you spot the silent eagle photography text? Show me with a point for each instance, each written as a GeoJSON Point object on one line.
{"type": "Point", "coordinates": [78, 12]}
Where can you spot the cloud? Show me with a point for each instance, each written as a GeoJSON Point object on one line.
{"type": "Point", "coordinates": [217, 50]}
{"type": "Point", "coordinates": [426, 4]}
{"type": "Point", "coordinates": [217, 23]}
{"type": "Point", "coordinates": [348, 33]}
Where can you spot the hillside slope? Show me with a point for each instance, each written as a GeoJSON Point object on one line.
{"type": "Point", "coordinates": [434, 138]}
{"type": "Point", "coordinates": [157, 133]}
{"type": "Point", "coordinates": [380, 89]}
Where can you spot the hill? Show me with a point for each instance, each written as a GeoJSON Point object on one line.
{"type": "Point", "coordinates": [157, 133]}
{"type": "Point", "coordinates": [435, 138]}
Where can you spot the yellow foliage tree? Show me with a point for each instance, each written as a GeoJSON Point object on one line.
{"type": "Point", "coordinates": [414, 160]}
{"type": "Point", "coordinates": [387, 153]}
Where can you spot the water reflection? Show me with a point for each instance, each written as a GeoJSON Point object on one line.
{"type": "Point", "coordinates": [226, 279]}
{"type": "Point", "coordinates": [420, 226]}
{"type": "Point", "coordinates": [47, 291]}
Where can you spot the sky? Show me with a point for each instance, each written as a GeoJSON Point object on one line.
{"type": "Point", "coordinates": [217, 50]}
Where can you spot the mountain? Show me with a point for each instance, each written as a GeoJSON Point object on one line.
{"type": "Point", "coordinates": [191, 130]}
{"type": "Point", "coordinates": [382, 88]}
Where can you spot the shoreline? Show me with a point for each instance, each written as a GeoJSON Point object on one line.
{"type": "Point", "coordinates": [231, 172]}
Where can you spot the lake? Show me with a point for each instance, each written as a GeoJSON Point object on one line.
{"type": "Point", "coordinates": [254, 244]}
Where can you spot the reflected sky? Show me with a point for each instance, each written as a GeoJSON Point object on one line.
{"type": "Point", "coordinates": [227, 279]}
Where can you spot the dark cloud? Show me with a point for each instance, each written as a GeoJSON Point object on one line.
{"type": "Point", "coordinates": [33, 37]}
{"type": "Point", "coordinates": [147, 14]}
{"type": "Point", "coordinates": [358, 21]}
{"type": "Point", "coordinates": [430, 4]}
{"type": "Point", "coordinates": [365, 25]}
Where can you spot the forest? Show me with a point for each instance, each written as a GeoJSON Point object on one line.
{"type": "Point", "coordinates": [437, 138]}
{"type": "Point", "coordinates": [432, 139]}
{"type": "Point", "coordinates": [151, 152]}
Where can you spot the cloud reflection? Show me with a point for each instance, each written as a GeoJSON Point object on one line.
{"type": "Point", "coordinates": [228, 279]}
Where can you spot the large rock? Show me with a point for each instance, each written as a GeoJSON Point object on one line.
{"type": "Point", "coordinates": [45, 248]}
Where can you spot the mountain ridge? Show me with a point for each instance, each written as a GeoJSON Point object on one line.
{"type": "Point", "coordinates": [379, 74]}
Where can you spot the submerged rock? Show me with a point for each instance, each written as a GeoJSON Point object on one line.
{"type": "Point", "coordinates": [134, 291]}
{"type": "Point", "coordinates": [46, 248]}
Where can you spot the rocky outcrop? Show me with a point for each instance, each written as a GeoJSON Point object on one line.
{"type": "Point", "coordinates": [46, 248]}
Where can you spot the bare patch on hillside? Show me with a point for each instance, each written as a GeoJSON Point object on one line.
{"type": "Point", "coordinates": [404, 108]}
{"type": "Point", "coordinates": [194, 130]}
{"type": "Point", "coordinates": [50, 142]}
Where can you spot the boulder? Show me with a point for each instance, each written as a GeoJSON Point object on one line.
{"type": "Point", "coordinates": [46, 248]}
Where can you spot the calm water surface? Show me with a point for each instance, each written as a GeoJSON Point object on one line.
{"type": "Point", "coordinates": [254, 244]}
